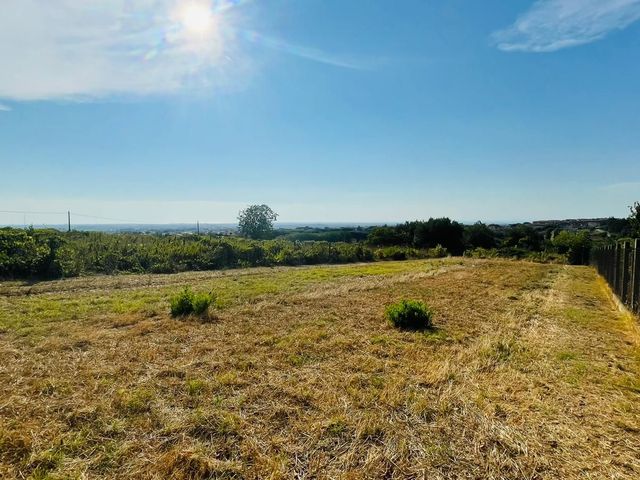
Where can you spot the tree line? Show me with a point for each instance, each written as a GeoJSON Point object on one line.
{"type": "Point", "coordinates": [35, 253]}
{"type": "Point", "coordinates": [47, 254]}
{"type": "Point", "coordinates": [518, 241]}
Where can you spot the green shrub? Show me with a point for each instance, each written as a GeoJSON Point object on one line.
{"type": "Point", "coordinates": [182, 303]}
{"type": "Point", "coordinates": [575, 245]}
{"type": "Point", "coordinates": [186, 303]}
{"type": "Point", "coordinates": [201, 303]}
{"type": "Point", "coordinates": [482, 253]}
{"type": "Point", "coordinates": [392, 253]}
{"type": "Point", "coordinates": [437, 252]}
{"type": "Point", "coordinates": [409, 315]}
{"type": "Point", "coordinates": [547, 257]}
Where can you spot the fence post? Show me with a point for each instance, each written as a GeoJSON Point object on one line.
{"type": "Point", "coordinates": [624, 274]}
{"type": "Point", "coordinates": [616, 269]}
{"type": "Point", "coordinates": [611, 264]}
{"type": "Point", "coordinates": [635, 277]}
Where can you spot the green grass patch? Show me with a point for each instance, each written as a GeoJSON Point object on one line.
{"type": "Point", "coordinates": [38, 314]}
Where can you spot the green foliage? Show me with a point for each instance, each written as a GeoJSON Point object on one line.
{"type": "Point", "coordinates": [421, 235]}
{"type": "Point", "coordinates": [439, 231]}
{"type": "Point", "coordinates": [516, 253]}
{"type": "Point", "coordinates": [182, 303]}
{"type": "Point", "coordinates": [30, 253]}
{"type": "Point", "coordinates": [256, 221]}
{"type": "Point", "coordinates": [406, 253]}
{"type": "Point", "coordinates": [201, 303]}
{"type": "Point", "coordinates": [387, 236]}
{"type": "Point", "coordinates": [437, 252]}
{"type": "Point", "coordinates": [409, 315]}
{"type": "Point", "coordinates": [546, 257]}
{"type": "Point", "coordinates": [523, 237]}
{"type": "Point", "coordinates": [479, 235]}
{"type": "Point", "coordinates": [576, 245]}
{"type": "Point", "coordinates": [394, 253]}
{"type": "Point", "coordinates": [482, 253]}
{"type": "Point", "coordinates": [308, 234]}
{"type": "Point", "coordinates": [53, 254]}
{"type": "Point", "coordinates": [618, 227]}
{"type": "Point", "coordinates": [187, 303]}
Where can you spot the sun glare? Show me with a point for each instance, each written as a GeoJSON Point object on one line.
{"type": "Point", "coordinates": [196, 17]}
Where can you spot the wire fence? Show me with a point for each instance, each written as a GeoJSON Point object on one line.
{"type": "Point", "coordinates": [619, 264]}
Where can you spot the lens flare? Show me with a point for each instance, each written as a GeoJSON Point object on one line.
{"type": "Point", "coordinates": [196, 17]}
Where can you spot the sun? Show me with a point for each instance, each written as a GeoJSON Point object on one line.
{"type": "Point", "coordinates": [195, 27]}
{"type": "Point", "coordinates": [196, 17]}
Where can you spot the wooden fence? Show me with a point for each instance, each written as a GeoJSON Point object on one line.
{"type": "Point", "coordinates": [619, 264]}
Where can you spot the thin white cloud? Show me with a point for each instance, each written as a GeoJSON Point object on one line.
{"type": "Point", "coordinates": [4, 108]}
{"type": "Point", "coordinates": [65, 49]}
{"type": "Point", "coordinates": [551, 25]}
{"type": "Point", "coordinates": [80, 50]}
{"type": "Point", "coordinates": [623, 187]}
{"type": "Point", "coordinates": [308, 53]}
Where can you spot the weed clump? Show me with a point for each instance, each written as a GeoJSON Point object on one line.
{"type": "Point", "coordinates": [409, 315]}
{"type": "Point", "coordinates": [196, 387]}
{"type": "Point", "coordinates": [186, 303]}
{"type": "Point", "coordinates": [135, 402]}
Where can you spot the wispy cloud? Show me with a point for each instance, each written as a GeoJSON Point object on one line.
{"type": "Point", "coordinates": [551, 25]}
{"type": "Point", "coordinates": [313, 54]}
{"type": "Point", "coordinates": [4, 108]}
{"type": "Point", "coordinates": [623, 187]}
{"type": "Point", "coordinates": [68, 49]}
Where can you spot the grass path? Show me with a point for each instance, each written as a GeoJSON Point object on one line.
{"type": "Point", "coordinates": [531, 373]}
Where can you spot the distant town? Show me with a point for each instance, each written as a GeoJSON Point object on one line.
{"type": "Point", "coordinates": [596, 226]}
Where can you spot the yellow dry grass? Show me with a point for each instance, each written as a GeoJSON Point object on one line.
{"type": "Point", "coordinates": [531, 373]}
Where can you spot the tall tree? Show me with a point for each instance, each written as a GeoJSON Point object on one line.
{"type": "Point", "coordinates": [479, 235]}
{"type": "Point", "coordinates": [256, 221]}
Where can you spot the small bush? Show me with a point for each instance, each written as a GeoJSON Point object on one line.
{"type": "Point", "coordinates": [392, 253]}
{"type": "Point", "coordinates": [437, 252]}
{"type": "Point", "coordinates": [480, 252]}
{"type": "Point", "coordinates": [187, 303]}
{"type": "Point", "coordinates": [409, 315]}
{"type": "Point", "coordinates": [201, 303]}
{"type": "Point", "coordinates": [182, 303]}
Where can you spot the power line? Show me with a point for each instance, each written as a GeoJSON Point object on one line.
{"type": "Point", "coordinates": [23, 212]}
{"type": "Point", "coordinates": [96, 217]}
{"type": "Point", "coordinates": [103, 218]}
{"type": "Point", "coordinates": [70, 214]}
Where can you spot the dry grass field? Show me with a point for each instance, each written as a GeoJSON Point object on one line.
{"type": "Point", "coordinates": [531, 373]}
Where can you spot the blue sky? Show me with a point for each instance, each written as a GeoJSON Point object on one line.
{"type": "Point", "coordinates": [369, 111]}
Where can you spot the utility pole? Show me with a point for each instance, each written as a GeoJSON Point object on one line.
{"type": "Point", "coordinates": [69, 220]}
